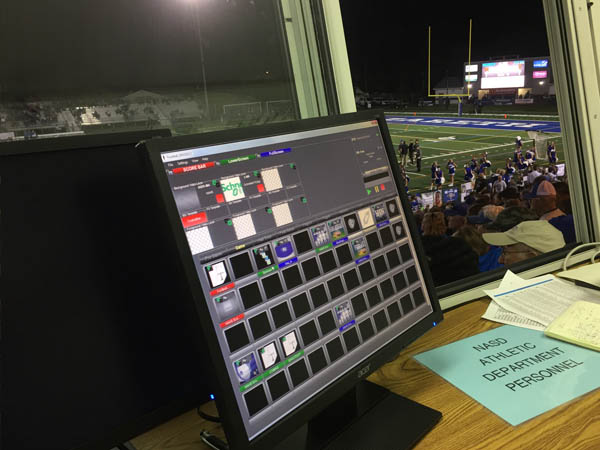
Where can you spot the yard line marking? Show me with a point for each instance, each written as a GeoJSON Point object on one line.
{"type": "Point", "coordinates": [458, 132]}
{"type": "Point", "coordinates": [477, 149]}
{"type": "Point", "coordinates": [474, 116]}
{"type": "Point", "coordinates": [471, 150]}
{"type": "Point", "coordinates": [439, 149]}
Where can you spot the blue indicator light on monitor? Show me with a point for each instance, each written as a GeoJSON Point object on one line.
{"type": "Point", "coordinates": [212, 397]}
{"type": "Point", "coordinates": [434, 324]}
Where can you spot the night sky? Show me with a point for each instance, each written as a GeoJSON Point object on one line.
{"type": "Point", "coordinates": [70, 46]}
{"type": "Point", "coordinates": [387, 41]}
{"type": "Point", "coordinates": [76, 46]}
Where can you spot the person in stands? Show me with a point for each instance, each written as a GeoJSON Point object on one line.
{"type": "Point", "coordinates": [488, 254]}
{"type": "Point", "coordinates": [526, 240]}
{"type": "Point", "coordinates": [531, 176]}
{"type": "Point", "coordinates": [510, 217]}
{"type": "Point", "coordinates": [450, 258]}
{"type": "Point", "coordinates": [499, 184]}
{"type": "Point", "coordinates": [543, 201]}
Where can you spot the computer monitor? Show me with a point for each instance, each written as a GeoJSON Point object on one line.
{"type": "Point", "coordinates": [307, 274]}
{"type": "Point", "coordinates": [96, 342]}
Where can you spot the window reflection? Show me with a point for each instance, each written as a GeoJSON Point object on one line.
{"type": "Point", "coordinates": [93, 67]}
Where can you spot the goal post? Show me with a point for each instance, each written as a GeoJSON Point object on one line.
{"type": "Point", "coordinates": [541, 141]}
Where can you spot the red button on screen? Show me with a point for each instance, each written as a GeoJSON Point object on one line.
{"type": "Point", "coordinates": [194, 219]}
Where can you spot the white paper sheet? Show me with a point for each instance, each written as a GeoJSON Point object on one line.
{"type": "Point", "coordinates": [497, 313]}
{"type": "Point", "coordinates": [540, 299]}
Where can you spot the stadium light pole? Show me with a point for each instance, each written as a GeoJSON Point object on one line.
{"type": "Point", "coordinates": [195, 7]}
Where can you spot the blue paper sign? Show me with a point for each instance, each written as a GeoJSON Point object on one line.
{"type": "Point", "coordinates": [450, 195]}
{"type": "Point", "coordinates": [515, 372]}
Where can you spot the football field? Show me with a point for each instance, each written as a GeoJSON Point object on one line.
{"type": "Point", "coordinates": [442, 139]}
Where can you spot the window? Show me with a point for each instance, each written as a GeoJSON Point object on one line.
{"type": "Point", "coordinates": [188, 65]}
{"type": "Point", "coordinates": [570, 29]}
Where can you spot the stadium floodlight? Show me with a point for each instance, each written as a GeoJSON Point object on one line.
{"type": "Point", "coordinates": [541, 82]}
{"type": "Point", "coordinates": [194, 6]}
{"type": "Point", "coordinates": [469, 85]}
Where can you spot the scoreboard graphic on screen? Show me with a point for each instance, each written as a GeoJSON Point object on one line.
{"type": "Point", "coordinates": [503, 74]}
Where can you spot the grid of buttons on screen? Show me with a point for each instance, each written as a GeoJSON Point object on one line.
{"type": "Point", "coordinates": [240, 206]}
{"type": "Point", "coordinates": [291, 307]}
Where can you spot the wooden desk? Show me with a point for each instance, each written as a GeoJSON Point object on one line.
{"type": "Point", "coordinates": [465, 423]}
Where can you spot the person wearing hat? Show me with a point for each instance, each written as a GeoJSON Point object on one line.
{"type": "Point", "coordinates": [510, 217]}
{"type": "Point", "coordinates": [526, 240]}
{"type": "Point", "coordinates": [543, 201]}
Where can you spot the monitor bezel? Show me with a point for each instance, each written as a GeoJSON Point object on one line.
{"type": "Point", "coordinates": [142, 423]}
{"type": "Point", "coordinates": [227, 405]}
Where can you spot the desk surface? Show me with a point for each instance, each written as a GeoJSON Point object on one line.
{"type": "Point", "coordinates": [465, 424]}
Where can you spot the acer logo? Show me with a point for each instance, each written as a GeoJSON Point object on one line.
{"type": "Point", "coordinates": [364, 371]}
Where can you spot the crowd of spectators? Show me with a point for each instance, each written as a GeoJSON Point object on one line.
{"type": "Point", "coordinates": [493, 228]}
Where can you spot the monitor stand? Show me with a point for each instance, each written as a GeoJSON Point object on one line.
{"type": "Point", "coordinates": [367, 417]}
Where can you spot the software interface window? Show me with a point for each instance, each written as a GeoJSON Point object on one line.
{"type": "Point", "coordinates": [303, 257]}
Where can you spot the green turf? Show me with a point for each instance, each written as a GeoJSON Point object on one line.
{"type": "Point", "coordinates": [499, 144]}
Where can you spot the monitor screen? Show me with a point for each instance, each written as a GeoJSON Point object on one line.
{"type": "Point", "coordinates": [96, 343]}
{"type": "Point", "coordinates": [503, 74]}
{"type": "Point", "coordinates": [541, 63]}
{"type": "Point", "coordinates": [300, 249]}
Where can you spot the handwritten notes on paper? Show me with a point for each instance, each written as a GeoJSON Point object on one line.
{"type": "Point", "coordinates": [579, 324]}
